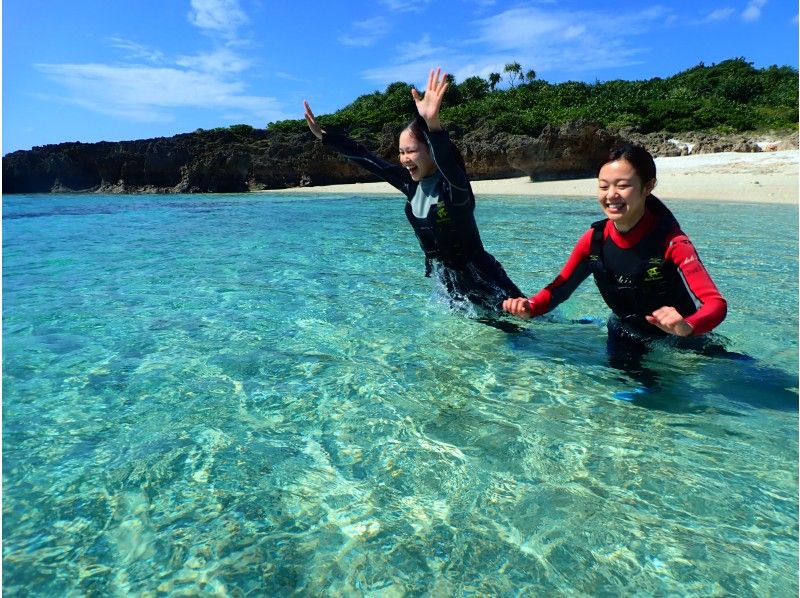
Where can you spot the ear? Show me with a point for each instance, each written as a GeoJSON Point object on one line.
{"type": "Point", "coordinates": [650, 185]}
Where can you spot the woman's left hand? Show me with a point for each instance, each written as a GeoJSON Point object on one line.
{"type": "Point", "coordinates": [428, 105]}
{"type": "Point", "coordinates": [670, 321]}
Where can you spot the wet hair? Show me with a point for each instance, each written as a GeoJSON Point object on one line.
{"type": "Point", "coordinates": [645, 167]}
{"type": "Point", "coordinates": [419, 129]}
{"type": "Point", "coordinates": [637, 156]}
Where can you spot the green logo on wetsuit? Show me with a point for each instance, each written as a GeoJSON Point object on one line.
{"type": "Point", "coordinates": [654, 273]}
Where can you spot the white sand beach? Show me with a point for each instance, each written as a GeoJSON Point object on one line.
{"type": "Point", "coordinates": [768, 177]}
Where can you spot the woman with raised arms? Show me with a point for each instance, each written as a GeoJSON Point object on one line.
{"type": "Point", "coordinates": [439, 203]}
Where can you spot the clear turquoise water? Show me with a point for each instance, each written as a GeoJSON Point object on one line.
{"type": "Point", "coordinates": [260, 395]}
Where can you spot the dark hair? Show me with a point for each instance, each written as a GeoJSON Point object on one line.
{"type": "Point", "coordinates": [639, 158]}
{"type": "Point", "coordinates": [419, 130]}
{"type": "Point", "coordinates": [645, 167]}
{"type": "Point", "coordinates": [417, 127]}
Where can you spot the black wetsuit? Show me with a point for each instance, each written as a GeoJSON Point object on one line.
{"type": "Point", "coordinates": [652, 265]}
{"type": "Point", "coordinates": [441, 210]}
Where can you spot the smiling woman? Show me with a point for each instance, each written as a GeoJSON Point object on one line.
{"type": "Point", "coordinates": [440, 204]}
{"type": "Point", "coordinates": [645, 267]}
{"type": "Point", "coordinates": [622, 193]}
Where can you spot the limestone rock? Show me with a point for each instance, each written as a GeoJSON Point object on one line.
{"type": "Point", "coordinates": [240, 158]}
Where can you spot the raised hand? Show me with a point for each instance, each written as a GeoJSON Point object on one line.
{"type": "Point", "coordinates": [312, 121]}
{"type": "Point", "coordinates": [428, 105]}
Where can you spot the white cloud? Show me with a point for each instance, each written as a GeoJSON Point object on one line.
{"type": "Point", "coordinates": [405, 5]}
{"type": "Point", "coordinates": [289, 77]}
{"type": "Point", "coordinates": [223, 17]}
{"type": "Point", "coordinates": [137, 51]}
{"type": "Point", "coordinates": [521, 27]}
{"type": "Point", "coordinates": [574, 31]}
{"type": "Point", "coordinates": [525, 28]}
{"type": "Point", "coordinates": [366, 33]}
{"type": "Point", "coordinates": [753, 10]}
{"type": "Point", "coordinates": [422, 49]}
{"type": "Point", "coordinates": [540, 39]}
{"type": "Point", "coordinates": [148, 94]}
{"type": "Point", "coordinates": [720, 14]}
{"type": "Point", "coordinates": [152, 87]}
{"type": "Point", "coordinates": [221, 60]}
{"type": "Point", "coordinates": [414, 62]}
{"type": "Point", "coordinates": [415, 73]}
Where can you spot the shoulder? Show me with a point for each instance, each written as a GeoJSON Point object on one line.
{"type": "Point", "coordinates": [332, 137]}
{"type": "Point", "coordinates": [673, 233]}
{"type": "Point", "coordinates": [595, 232]}
{"type": "Point", "coordinates": [679, 248]}
{"type": "Point", "coordinates": [440, 134]}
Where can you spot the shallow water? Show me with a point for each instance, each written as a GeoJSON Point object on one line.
{"type": "Point", "coordinates": [262, 395]}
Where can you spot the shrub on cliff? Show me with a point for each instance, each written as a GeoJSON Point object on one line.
{"type": "Point", "coordinates": [729, 96]}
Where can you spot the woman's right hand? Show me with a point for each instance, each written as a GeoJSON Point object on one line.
{"type": "Point", "coordinates": [428, 105]}
{"type": "Point", "coordinates": [312, 122]}
{"type": "Point", "coordinates": [519, 307]}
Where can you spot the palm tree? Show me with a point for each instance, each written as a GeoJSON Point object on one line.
{"type": "Point", "coordinates": [514, 69]}
{"type": "Point", "coordinates": [494, 79]}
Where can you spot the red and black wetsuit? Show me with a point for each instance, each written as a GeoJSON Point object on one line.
{"type": "Point", "coordinates": [445, 225]}
{"type": "Point", "coordinates": [651, 266]}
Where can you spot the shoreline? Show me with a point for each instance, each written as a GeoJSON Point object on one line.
{"type": "Point", "coordinates": [760, 177]}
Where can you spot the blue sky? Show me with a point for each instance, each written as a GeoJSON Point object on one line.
{"type": "Point", "coordinates": [91, 70]}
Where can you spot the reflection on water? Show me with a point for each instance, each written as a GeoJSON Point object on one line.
{"type": "Point", "coordinates": [247, 396]}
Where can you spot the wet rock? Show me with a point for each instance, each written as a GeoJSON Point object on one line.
{"type": "Point", "coordinates": [242, 158]}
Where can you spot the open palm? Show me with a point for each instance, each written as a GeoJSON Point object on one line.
{"type": "Point", "coordinates": [428, 105]}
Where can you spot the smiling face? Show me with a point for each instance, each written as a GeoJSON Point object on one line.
{"type": "Point", "coordinates": [414, 156]}
{"type": "Point", "coordinates": [622, 193]}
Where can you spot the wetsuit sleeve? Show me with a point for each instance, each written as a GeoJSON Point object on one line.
{"type": "Point", "coordinates": [442, 153]}
{"type": "Point", "coordinates": [394, 174]}
{"type": "Point", "coordinates": [711, 306]}
{"type": "Point", "coordinates": [574, 272]}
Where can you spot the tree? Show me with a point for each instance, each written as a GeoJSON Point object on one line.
{"type": "Point", "coordinates": [396, 100]}
{"type": "Point", "coordinates": [473, 88]}
{"type": "Point", "coordinates": [730, 96]}
{"type": "Point", "coordinates": [453, 94]}
{"type": "Point", "coordinates": [514, 70]}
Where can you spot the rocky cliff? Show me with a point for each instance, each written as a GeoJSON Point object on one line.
{"type": "Point", "coordinates": [241, 159]}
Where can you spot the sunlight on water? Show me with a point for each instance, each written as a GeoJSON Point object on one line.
{"type": "Point", "coordinates": [263, 395]}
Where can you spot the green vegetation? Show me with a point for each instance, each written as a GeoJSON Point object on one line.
{"type": "Point", "coordinates": [728, 97]}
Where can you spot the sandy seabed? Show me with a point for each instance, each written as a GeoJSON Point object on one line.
{"type": "Point", "coordinates": [768, 177]}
